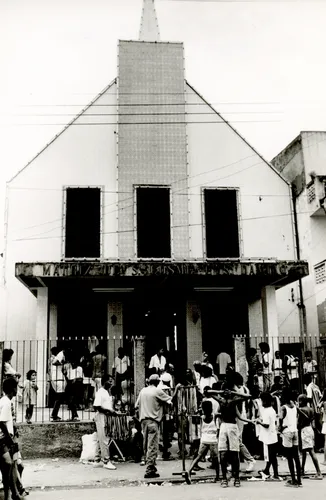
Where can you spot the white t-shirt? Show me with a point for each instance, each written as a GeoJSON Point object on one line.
{"type": "Point", "coordinates": [8, 369]}
{"type": "Point", "coordinates": [74, 373]}
{"type": "Point", "coordinates": [121, 365]}
{"type": "Point", "coordinates": [223, 360]}
{"type": "Point", "coordinates": [157, 363]}
{"type": "Point", "coordinates": [268, 416]}
{"type": "Point", "coordinates": [103, 399]}
{"type": "Point", "coordinates": [6, 415]}
{"type": "Point", "coordinates": [267, 358]}
{"type": "Point", "coordinates": [168, 378]}
{"type": "Point", "coordinates": [59, 358]}
{"type": "Point", "coordinates": [310, 366]}
{"type": "Point", "coordinates": [204, 382]}
{"type": "Point", "coordinates": [292, 366]}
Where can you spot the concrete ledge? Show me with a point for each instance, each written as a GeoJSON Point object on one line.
{"type": "Point", "coordinates": [53, 439]}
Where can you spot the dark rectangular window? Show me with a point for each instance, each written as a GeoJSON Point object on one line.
{"type": "Point", "coordinates": [83, 222]}
{"type": "Point", "coordinates": [153, 223]}
{"type": "Point", "coordinates": [221, 217]}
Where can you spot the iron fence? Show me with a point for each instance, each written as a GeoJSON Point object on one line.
{"type": "Point", "coordinates": [69, 384]}
{"type": "Point", "coordinates": [58, 379]}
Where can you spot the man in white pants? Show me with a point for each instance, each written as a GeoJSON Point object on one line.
{"type": "Point", "coordinates": [103, 405]}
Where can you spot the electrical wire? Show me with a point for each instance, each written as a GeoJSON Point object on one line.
{"type": "Point", "coordinates": [152, 123]}
{"type": "Point", "coordinates": [241, 219]}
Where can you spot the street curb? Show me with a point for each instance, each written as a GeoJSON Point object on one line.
{"type": "Point", "coordinates": [163, 482]}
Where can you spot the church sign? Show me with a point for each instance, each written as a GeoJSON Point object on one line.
{"type": "Point", "coordinates": [279, 269]}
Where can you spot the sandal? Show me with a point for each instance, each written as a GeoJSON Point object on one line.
{"type": "Point", "coordinates": [224, 483]}
{"type": "Point", "coordinates": [237, 483]}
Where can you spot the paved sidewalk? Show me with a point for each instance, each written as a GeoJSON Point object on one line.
{"type": "Point", "coordinates": [63, 473]}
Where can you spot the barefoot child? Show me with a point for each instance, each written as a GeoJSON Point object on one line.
{"type": "Point", "coordinates": [208, 441]}
{"type": "Point", "coordinates": [289, 431]}
{"type": "Point", "coordinates": [306, 418]}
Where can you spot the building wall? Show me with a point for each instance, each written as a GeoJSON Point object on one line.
{"type": "Point", "coordinates": [83, 155]}
{"type": "Point", "coordinates": [314, 153]}
{"type": "Point", "coordinates": [219, 157]}
{"type": "Point", "coordinates": [152, 143]}
{"type": "Point", "coordinates": [294, 162]}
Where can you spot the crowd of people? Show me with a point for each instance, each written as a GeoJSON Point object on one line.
{"type": "Point", "coordinates": [75, 379]}
{"type": "Point", "coordinates": [215, 412]}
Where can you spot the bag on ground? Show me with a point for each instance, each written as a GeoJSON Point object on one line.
{"type": "Point", "coordinates": [89, 447]}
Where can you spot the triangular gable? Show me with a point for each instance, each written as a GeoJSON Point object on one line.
{"type": "Point", "coordinates": [236, 132]}
{"type": "Point", "coordinates": [64, 129]}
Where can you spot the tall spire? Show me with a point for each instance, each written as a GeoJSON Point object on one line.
{"type": "Point", "coordinates": [149, 30]}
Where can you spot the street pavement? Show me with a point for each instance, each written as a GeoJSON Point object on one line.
{"type": "Point", "coordinates": [247, 491]}
{"type": "Point", "coordinates": [70, 473]}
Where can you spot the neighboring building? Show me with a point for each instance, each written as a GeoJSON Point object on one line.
{"type": "Point", "coordinates": [303, 163]}
{"type": "Point", "coordinates": [164, 223]}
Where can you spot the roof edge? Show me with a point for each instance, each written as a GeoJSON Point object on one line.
{"type": "Point", "coordinates": [63, 130]}
{"type": "Point", "coordinates": [298, 138]}
{"type": "Point", "coordinates": [239, 135]}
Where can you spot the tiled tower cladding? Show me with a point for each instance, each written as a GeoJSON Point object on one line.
{"type": "Point", "coordinates": [152, 142]}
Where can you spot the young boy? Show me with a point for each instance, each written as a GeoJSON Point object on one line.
{"type": "Point", "coordinates": [289, 430]}
{"type": "Point", "coordinates": [306, 418]}
{"type": "Point", "coordinates": [268, 436]}
{"type": "Point", "coordinates": [208, 441]}
{"type": "Point", "coordinates": [7, 445]}
{"type": "Point", "coordinates": [103, 405]}
{"type": "Point", "coordinates": [229, 436]}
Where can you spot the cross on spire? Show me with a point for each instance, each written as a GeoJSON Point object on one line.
{"type": "Point", "coordinates": [149, 29]}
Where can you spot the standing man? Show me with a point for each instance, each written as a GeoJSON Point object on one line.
{"type": "Point", "coordinates": [120, 369]}
{"type": "Point", "coordinates": [267, 360]}
{"type": "Point", "coordinates": [223, 361]}
{"type": "Point", "coordinates": [158, 362]}
{"type": "Point", "coordinates": [150, 403]}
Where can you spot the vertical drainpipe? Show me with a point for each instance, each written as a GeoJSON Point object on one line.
{"type": "Point", "coordinates": [301, 304]}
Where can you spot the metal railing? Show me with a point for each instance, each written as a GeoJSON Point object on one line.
{"type": "Point", "coordinates": [71, 382]}
{"type": "Point", "coordinates": [68, 373]}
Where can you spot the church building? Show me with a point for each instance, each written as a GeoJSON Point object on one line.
{"type": "Point", "coordinates": [167, 225]}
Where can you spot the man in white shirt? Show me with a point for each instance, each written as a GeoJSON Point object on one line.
{"type": "Point", "coordinates": [103, 405]}
{"type": "Point", "coordinates": [120, 369]}
{"type": "Point", "coordinates": [223, 361]}
{"type": "Point", "coordinates": [158, 362]}
{"type": "Point", "coordinates": [310, 365]}
{"type": "Point", "coordinates": [150, 403]}
{"type": "Point", "coordinates": [267, 362]}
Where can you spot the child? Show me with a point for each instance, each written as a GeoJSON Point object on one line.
{"type": "Point", "coordinates": [256, 410]}
{"type": "Point", "coordinates": [7, 445]}
{"type": "Point", "coordinates": [289, 430]}
{"type": "Point", "coordinates": [268, 436]}
{"type": "Point", "coordinates": [229, 436]}
{"type": "Point", "coordinates": [306, 418]}
{"type": "Point", "coordinates": [136, 441]}
{"type": "Point", "coordinates": [103, 405]}
{"type": "Point", "coordinates": [208, 441]}
{"type": "Point", "coordinates": [277, 387]}
{"type": "Point", "coordinates": [323, 430]}
{"type": "Point", "coordinates": [30, 394]}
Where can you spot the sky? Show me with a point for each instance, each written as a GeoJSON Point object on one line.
{"type": "Point", "coordinates": [261, 64]}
